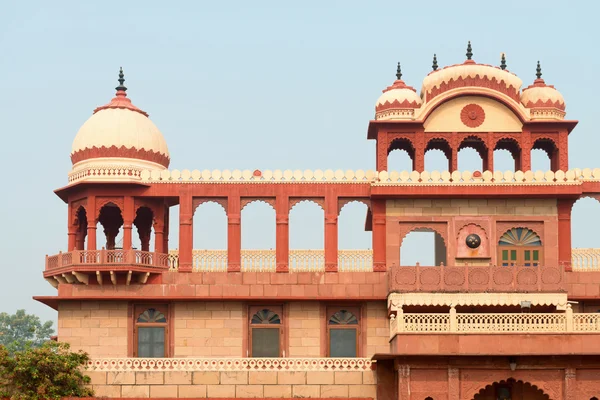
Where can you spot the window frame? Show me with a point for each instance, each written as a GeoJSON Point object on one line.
{"type": "Point", "coordinates": [330, 310]}
{"type": "Point", "coordinates": [137, 310]}
{"type": "Point", "coordinates": [277, 309]}
{"type": "Point", "coordinates": [520, 256]}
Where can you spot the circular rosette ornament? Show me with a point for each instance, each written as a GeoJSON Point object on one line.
{"type": "Point", "coordinates": [472, 115]}
{"type": "Point", "coordinates": [473, 241]}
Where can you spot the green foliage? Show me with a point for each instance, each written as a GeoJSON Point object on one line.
{"type": "Point", "coordinates": [21, 330]}
{"type": "Point", "coordinates": [50, 371]}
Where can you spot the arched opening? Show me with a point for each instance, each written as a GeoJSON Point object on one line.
{"type": "Point", "coordinates": [544, 155]}
{"type": "Point", "coordinates": [511, 390]}
{"type": "Point", "coordinates": [472, 154]}
{"type": "Point", "coordinates": [438, 155]}
{"type": "Point", "coordinates": [307, 236]}
{"type": "Point", "coordinates": [507, 155]}
{"type": "Point", "coordinates": [404, 159]}
{"type": "Point", "coordinates": [258, 236]}
{"type": "Point", "coordinates": [144, 220]}
{"type": "Point", "coordinates": [585, 243]}
{"type": "Point", "coordinates": [82, 224]}
{"type": "Point", "coordinates": [520, 246]}
{"type": "Point", "coordinates": [354, 241]}
{"type": "Point", "coordinates": [210, 237]}
{"type": "Point", "coordinates": [423, 246]}
{"type": "Point", "coordinates": [111, 219]}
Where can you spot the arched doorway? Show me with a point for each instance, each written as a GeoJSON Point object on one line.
{"type": "Point", "coordinates": [511, 390]}
{"type": "Point", "coordinates": [423, 246]}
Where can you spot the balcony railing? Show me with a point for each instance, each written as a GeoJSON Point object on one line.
{"type": "Point", "coordinates": [494, 323]}
{"type": "Point", "coordinates": [585, 259]}
{"type": "Point", "coordinates": [264, 260]}
{"type": "Point", "coordinates": [115, 258]}
{"type": "Point", "coordinates": [476, 279]}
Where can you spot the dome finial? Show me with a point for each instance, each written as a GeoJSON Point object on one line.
{"type": "Point", "coordinates": [503, 62]}
{"type": "Point", "coordinates": [121, 87]}
{"type": "Point", "coordinates": [434, 66]}
{"type": "Point", "coordinates": [538, 71]}
{"type": "Point", "coordinates": [398, 72]}
{"type": "Point", "coordinates": [469, 51]}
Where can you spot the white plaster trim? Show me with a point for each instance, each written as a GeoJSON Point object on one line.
{"type": "Point", "coordinates": [397, 300]}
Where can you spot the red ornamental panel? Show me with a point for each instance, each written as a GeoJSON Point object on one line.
{"type": "Point", "coordinates": [472, 115]}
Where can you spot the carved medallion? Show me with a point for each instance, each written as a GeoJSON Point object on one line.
{"type": "Point", "coordinates": [479, 276]}
{"type": "Point", "coordinates": [472, 115]}
{"type": "Point", "coordinates": [526, 277]}
{"type": "Point", "coordinates": [473, 241]}
{"type": "Point", "coordinates": [551, 276]}
{"type": "Point", "coordinates": [429, 277]}
{"type": "Point", "coordinates": [406, 276]}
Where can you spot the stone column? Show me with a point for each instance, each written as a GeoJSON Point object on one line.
{"type": "Point", "coordinates": [570, 384]}
{"type": "Point", "coordinates": [166, 230]}
{"type": "Point", "coordinates": [331, 233]}
{"type": "Point", "coordinates": [381, 157]}
{"type": "Point", "coordinates": [564, 232]}
{"type": "Point", "coordinates": [234, 233]}
{"type": "Point", "coordinates": [563, 151]}
{"type": "Point", "coordinates": [525, 162]}
{"type": "Point", "coordinates": [186, 231]}
{"type": "Point", "coordinates": [403, 382]}
{"type": "Point", "coordinates": [128, 217]}
{"type": "Point", "coordinates": [453, 383]}
{"type": "Point", "coordinates": [282, 233]}
{"type": "Point", "coordinates": [419, 160]}
{"type": "Point", "coordinates": [72, 238]}
{"type": "Point", "coordinates": [379, 235]}
{"type": "Point", "coordinates": [92, 218]}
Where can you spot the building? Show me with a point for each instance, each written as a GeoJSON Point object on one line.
{"type": "Point", "coordinates": [509, 311]}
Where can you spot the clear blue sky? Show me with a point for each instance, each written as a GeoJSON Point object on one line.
{"type": "Point", "coordinates": [278, 85]}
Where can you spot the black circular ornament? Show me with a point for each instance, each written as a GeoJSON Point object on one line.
{"type": "Point", "coordinates": [473, 241]}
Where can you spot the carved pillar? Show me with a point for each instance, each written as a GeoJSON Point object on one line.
{"type": "Point", "coordinates": [331, 233]}
{"type": "Point", "coordinates": [382, 151]}
{"type": "Point", "coordinates": [419, 143]}
{"type": "Point", "coordinates": [564, 232]}
{"type": "Point", "coordinates": [111, 232]}
{"type": "Point", "coordinates": [570, 384]}
{"type": "Point", "coordinates": [282, 233]}
{"type": "Point", "coordinates": [159, 228]}
{"type": "Point", "coordinates": [128, 217]}
{"type": "Point", "coordinates": [166, 230]}
{"type": "Point", "coordinates": [72, 238]}
{"type": "Point", "coordinates": [453, 384]}
{"type": "Point", "coordinates": [403, 382]}
{"type": "Point", "coordinates": [525, 162]}
{"type": "Point", "coordinates": [186, 231]}
{"type": "Point", "coordinates": [81, 233]}
{"type": "Point", "coordinates": [488, 163]}
{"type": "Point", "coordinates": [234, 234]}
{"type": "Point", "coordinates": [563, 151]}
{"type": "Point", "coordinates": [379, 236]}
{"type": "Point", "coordinates": [453, 152]}
{"type": "Point", "coordinates": [92, 218]}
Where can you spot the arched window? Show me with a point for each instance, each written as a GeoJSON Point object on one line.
{"type": "Point", "coordinates": [150, 332]}
{"type": "Point", "coordinates": [520, 246]}
{"type": "Point", "coordinates": [265, 332]}
{"type": "Point", "coordinates": [342, 333]}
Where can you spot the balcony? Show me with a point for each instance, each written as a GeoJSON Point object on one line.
{"type": "Point", "coordinates": [495, 334]}
{"type": "Point", "coordinates": [476, 279]}
{"type": "Point", "coordinates": [116, 265]}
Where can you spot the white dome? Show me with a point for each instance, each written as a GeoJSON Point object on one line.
{"type": "Point", "coordinates": [541, 95]}
{"type": "Point", "coordinates": [397, 102]}
{"type": "Point", "coordinates": [120, 130]}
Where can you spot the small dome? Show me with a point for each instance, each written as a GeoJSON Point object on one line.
{"type": "Point", "coordinates": [540, 95]}
{"type": "Point", "coordinates": [120, 131]}
{"type": "Point", "coordinates": [397, 101]}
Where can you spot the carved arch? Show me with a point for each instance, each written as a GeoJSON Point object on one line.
{"type": "Point", "coordinates": [441, 228]}
{"type": "Point", "coordinates": [465, 224]}
{"type": "Point", "coordinates": [198, 201]}
{"type": "Point", "coordinates": [319, 201]}
{"type": "Point", "coordinates": [549, 382]}
{"type": "Point", "coordinates": [545, 143]}
{"type": "Point", "coordinates": [101, 202]}
{"type": "Point", "coordinates": [536, 226]}
{"type": "Point", "coordinates": [402, 143]}
{"type": "Point", "coordinates": [343, 202]}
{"type": "Point", "coordinates": [508, 381]}
{"type": "Point", "coordinates": [247, 200]}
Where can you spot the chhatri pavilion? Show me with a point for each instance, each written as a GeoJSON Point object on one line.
{"type": "Point", "coordinates": [508, 310]}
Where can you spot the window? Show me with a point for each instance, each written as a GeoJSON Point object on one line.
{"type": "Point", "coordinates": [265, 331]}
{"type": "Point", "coordinates": [150, 332]}
{"type": "Point", "coordinates": [520, 246]}
{"type": "Point", "coordinates": [342, 332]}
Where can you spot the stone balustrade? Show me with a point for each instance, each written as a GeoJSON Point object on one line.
{"type": "Point", "coordinates": [375, 177]}
{"type": "Point", "coordinates": [568, 322]}
{"type": "Point", "coordinates": [264, 260]}
{"type": "Point", "coordinates": [585, 259]}
{"type": "Point", "coordinates": [107, 257]}
{"type": "Point", "coordinates": [476, 279]}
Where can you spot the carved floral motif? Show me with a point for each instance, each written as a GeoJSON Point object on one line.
{"type": "Point", "coordinates": [472, 115]}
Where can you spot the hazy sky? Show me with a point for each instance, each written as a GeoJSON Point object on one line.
{"type": "Point", "coordinates": [268, 85]}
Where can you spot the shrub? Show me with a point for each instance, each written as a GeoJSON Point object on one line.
{"type": "Point", "coordinates": [51, 371]}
